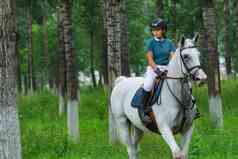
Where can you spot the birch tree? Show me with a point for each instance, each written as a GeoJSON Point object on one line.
{"type": "Point", "coordinates": [10, 146]}
{"type": "Point", "coordinates": [30, 49]}
{"type": "Point", "coordinates": [236, 21]}
{"type": "Point", "coordinates": [226, 37]}
{"type": "Point", "coordinates": [214, 90]}
{"type": "Point", "coordinates": [104, 64]}
{"type": "Point", "coordinates": [174, 13]}
{"type": "Point", "coordinates": [124, 40]}
{"type": "Point", "coordinates": [159, 8]}
{"type": "Point", "coordinates": [71, 73]}
{"type": "Point", "coordinates": [46, 47]}
{"type": "Point", "coordinates": [62, 61]}
{"type": "Point", "coordinates": [114, 50]}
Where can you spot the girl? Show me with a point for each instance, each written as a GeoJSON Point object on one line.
{"type": "Point", "coordinates": [159, 52]}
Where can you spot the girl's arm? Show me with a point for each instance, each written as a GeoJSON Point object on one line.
{"type": "Point", "coordinates": [150, 60]}
{"type": "Point", "coordinates": [172, 55]}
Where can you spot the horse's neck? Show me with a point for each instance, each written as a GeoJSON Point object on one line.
{"type": "Point", "coordinates": [175, 70]}
{"type": "Point", "coordinates": [175, 67]}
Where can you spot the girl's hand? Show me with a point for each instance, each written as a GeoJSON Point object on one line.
{"type": "Point", "coordinates": [160, 73]}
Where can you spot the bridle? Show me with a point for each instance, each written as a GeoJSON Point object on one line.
{"type": "Point", "coordinates": [187, 76]}
{"type": "Point", "coordinates": [188, 73]}
{"type": "Point", "coordinates": [189, 70]}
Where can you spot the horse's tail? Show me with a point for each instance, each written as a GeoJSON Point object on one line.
{"type": "Point", "coordinates": [113, 132]}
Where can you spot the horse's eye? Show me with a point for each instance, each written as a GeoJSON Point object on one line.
{"type": "Point", "coordinates": [185, 56]}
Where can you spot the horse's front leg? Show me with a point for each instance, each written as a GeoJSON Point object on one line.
{"type": "Point", "coordinates": [162, 120]}
{"type": "Point", "coordinates": [185, 140]}
{"type": "Point", "coordinates": [168, 136]}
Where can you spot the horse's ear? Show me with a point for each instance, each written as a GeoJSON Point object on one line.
{"type": "Point", "coordinates": [182, 41]}
{"type": "Point", "coordinates": [195, 38]}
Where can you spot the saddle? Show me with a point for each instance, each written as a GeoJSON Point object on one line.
{"type": "Point", "coordinates": [150, 101]}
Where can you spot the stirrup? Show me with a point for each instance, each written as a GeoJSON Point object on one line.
{"type": "Point", "coordinates": [144, 117]}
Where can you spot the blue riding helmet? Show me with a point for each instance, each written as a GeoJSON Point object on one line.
{"type": "Point", "coordinates": [158, 24]}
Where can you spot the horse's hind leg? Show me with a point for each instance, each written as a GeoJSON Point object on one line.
{"type": "Point", "coordinates": [185, 140]}
{"type": "Point", "coordinates": [124, 133]}
{"type": "Point", "coordinates": [136, 135]}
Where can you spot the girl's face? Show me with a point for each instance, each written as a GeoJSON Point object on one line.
{"type": "Point", "coordinates": [158, 33]}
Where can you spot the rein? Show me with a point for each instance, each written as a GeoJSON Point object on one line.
{"type": "Point", "coordinates": [184, 81]}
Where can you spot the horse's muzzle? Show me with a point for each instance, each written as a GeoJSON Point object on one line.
{"type": "Point", "coordinates": [199, 75]}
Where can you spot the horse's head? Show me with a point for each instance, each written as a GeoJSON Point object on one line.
{"type": "Point", "coordinates": [190, 59]}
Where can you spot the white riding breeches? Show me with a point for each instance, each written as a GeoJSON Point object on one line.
{"type": "Point", "coordinates": [150, 76]}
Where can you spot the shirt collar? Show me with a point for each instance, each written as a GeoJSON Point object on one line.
{"type": "Point", "coordinates": [159, 39]}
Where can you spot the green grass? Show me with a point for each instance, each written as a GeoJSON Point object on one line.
{"type": "Point", "coordinates": [44, 133]}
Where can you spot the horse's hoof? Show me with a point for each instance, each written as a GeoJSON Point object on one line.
{"type": "Point", "coordinates": [180, 155]}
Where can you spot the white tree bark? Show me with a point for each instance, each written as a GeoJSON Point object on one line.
{"type": "Point", "coordinates": [72, 119]}
{"type": "Point", "coordinates": [215, 109]}
{"type": "Point", "coordinates": [62, 107]}
{"type": "Point", "coordinates": [10, 147]}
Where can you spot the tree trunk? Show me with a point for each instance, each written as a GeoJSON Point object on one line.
{"type": "Point", "coordinates": [30, 56]}
{"type": "Point", "coordinates": [159, 8]}
{"type": "Point", "coordinates": [114, 40]}
{"type": "Point", "coordinates": [146, 8]}
{"type": "Point", "coordinates": [124, 41]}
{"type": "Point", "coordinates": [46, 49]}
{"type": "Point", "coordinates": [25, 83]}
{"type": "Point", "coordinates": [236, 21]}
{"type": "Point", "coordinates": [72, 79]}
{"type": "Point", "coordinates": [92, 70]}
{"type": "Point", "coordinates": [203, 44]}
{"type": "Point", "coordinates": [174, 13]}
{"type": "Point", "coordinates": [18, 65]}
{"type": "Point", "coordinates": [62, 62]}
{"type": "Point", "coordinates": [104, 64]}
{"type": "Point", "coordinates": [227, 51]}
{"type": "Point", "coordinates": [215, 103]}
{"type": "Point", "coordinates": [105, 60]}
{"type": "Point", "coordinates": [10, 146]}
{"type": "Point", "coordinates": [100, 84]}
{"type": "Point", "coordinates": [114, 52]}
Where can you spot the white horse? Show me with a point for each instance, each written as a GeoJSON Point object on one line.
{"type": "Point", "coordinates": [168, 114]}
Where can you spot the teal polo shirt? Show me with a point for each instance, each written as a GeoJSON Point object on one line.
{"type": "Point", "coordinates": [161, 50]}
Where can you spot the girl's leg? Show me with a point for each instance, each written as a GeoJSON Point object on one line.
{"type": "Point", "coordinates": [150, 76]}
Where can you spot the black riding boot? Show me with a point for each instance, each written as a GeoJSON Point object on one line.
{"type": "Point", "coordinates": [139, 101]}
